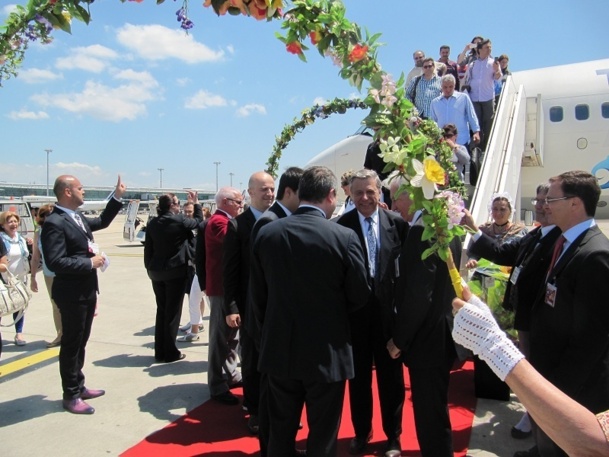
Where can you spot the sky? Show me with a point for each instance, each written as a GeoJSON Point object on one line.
{"type": "Point", "coordinates": [131, 92]}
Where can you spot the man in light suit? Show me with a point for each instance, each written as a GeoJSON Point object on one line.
{"type": "Point", "coordinates": [371, 325]}
{"type": "Point", "coordinates": [71, 253]}
{"type": "Point", "coordinates": [422, 336]}
{"type": "Point", "coordinates": [570, 319]}
{"type": "Point", "coordinates": [307, 275]}
{"type": "Point", "coordinates": [236, 276]}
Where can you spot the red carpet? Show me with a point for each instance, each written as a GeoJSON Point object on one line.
{"type": "Point", "coordinates": [216, 430]}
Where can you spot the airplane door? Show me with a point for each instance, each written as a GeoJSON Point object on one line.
{"type": "Point", "coordinates": [130, 220]}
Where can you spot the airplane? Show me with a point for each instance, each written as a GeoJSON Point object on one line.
{"type": "Point", "coordinates": [548, 121]}
{"type": "Point", "coordinates": [36, 201]}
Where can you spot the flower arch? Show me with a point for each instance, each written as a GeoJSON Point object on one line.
{"type": "Point", "coordinates": [412, 147]}
{"type": "Point", "coordinates": [309, 116]}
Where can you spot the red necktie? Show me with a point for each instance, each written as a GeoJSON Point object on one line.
{"type": "Point", "coordinates": [557, 250]}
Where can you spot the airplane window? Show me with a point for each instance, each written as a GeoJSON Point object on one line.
{"type": "Point", "coordinates": [556, 114]}
{"type": "Point", "coordinates": [605, 110]}
{"type": "Point", "coordinates": [582, 112]}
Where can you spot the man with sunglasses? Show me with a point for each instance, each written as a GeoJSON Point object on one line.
{"type": "Point", "coordinates": [570, 319]}
{"type": "Point", "coordinates": [423, 89]}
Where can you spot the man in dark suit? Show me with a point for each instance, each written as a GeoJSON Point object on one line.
{"type": "Point", "coordinates": [71, 253]}
{"type": "Point", "coordinates": [307, 275]}
{"type": "Point", "coordinates": [381, 234]}
{"type": "Point", "coordinates": [422, 336]}
{"type": "Point", "coordinates": [570, 319]}
{"type": "Point", "coordinates": [236, 275]}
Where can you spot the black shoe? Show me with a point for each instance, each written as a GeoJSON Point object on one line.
{"type": "Point", "coordinates": [519, 434]}
{"type": "Point", "coordinates": [358, 444]}
{"type": "Point", "coordinates": [394, 448]}
{"type": "Point", "coordinates": [179, 357]}
{"type": "Point", "coordinates": [533, 452]}
{"type": "Point", "coordinates": [226, 398]}
{"type": "Point", "coordinates": [253, 425]}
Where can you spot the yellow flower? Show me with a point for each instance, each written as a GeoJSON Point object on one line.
{"type": "Point", "coordinates": [428, 174]}
{"type": "Point", "coordinates": [433, 170]}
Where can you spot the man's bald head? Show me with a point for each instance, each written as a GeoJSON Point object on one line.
{"type": "Point", "coordinates": [261, 188]}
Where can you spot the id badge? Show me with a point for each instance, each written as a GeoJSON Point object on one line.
{"type": "Point", "coordinates": [551, 294]}
{"type": "Point", "coordinates": [93, 248]}
{"type": "Point", "coordinates": [515, 274]}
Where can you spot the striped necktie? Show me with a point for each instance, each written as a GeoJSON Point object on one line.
{"type": "Point", "coordinates": [372, 246]}
{"type": "Point", "coordinates": [79, 221]}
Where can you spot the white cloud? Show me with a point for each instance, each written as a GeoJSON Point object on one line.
{"type": "Point", "coordinates": [36, 75]}
{"type": "Point", "coordinates": [78, 168]}
{"type": "Point", "coordinates": [231, 49]}
{"type": "Point", "coordinates": [92, 58]}
{"type": "Point", "coordinates": [155, 42]}
{"type": "Point", "coordinates": [182, 82]}
{"type": "Point", "coordinates": [204, 99]}
{"type": "Point", "coordinates": [30, 115]}
{"type": "Point", "coordinates": [115, 104]}
{"type": "Point", "coordinates": [250, 108]}
{"type": "Point", "coordinates": [319, 101]}
{"type": "Point", "coordinates": [8, 9]}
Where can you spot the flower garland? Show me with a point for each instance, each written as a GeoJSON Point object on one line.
{"type": "Point", "coordinates": [309, 116]}
{"type": "Point", "coordinates": [414, 148]}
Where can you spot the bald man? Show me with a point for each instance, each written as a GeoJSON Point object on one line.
{"type": "Point", "coordinates": [71, 253]}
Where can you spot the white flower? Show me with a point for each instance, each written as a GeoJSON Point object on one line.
{"type": "Point", "coordinates": [428, 174]}
{"type": "Point", "coordinates": [391, 151]}
{"type": "Point", "coordinates": [375, 94]}
{"type": "Point", "coordinates": [389, 100]}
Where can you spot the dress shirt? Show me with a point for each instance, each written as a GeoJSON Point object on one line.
{"type": "Point", "coordinates": [575, 231]}
{"type": "Point", "coordinates": [427, 90]}
{"type": "Point", "coordinates": [364, 224]}
{"type": "Point", "coordinates": [316, 207]}
{"type": "Point", "coordinates": [287, 211]}
{"type": "Point", "coordinates": [482, 80]}
{"type": "Point", "coordinates": [256, 212]}
{"type": "Point", "coordinates": [458, 110]}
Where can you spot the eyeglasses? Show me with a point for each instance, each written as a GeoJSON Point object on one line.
{"type": "Point", "coordinates": [427, 66]}
{"type": "Point", "coordinates": [238, 202]}
{"type": "Point", "coordinates": [547, 201]}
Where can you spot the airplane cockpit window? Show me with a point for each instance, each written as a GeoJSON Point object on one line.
{"type": "Point", "coordinates": [582, 112]}
{"type": "Point", "coordinates": [556, 114]}
{"type": "Point", "coordinates": [605, 110]}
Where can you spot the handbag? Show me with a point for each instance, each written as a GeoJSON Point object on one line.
{"type": "Point", "coordinates": [14, 297]}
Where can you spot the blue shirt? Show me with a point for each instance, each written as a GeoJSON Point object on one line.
{"type": "Point", "coordinates": [427, 90]}
{"type": "Point", "coordinates": [456, 109]}
{"type": "Point", "coordinates": [482, 80]}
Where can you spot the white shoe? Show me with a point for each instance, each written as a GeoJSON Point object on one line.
{"type": "Point", "coordinates": [185, 328]}
{"type": "Point", "coordinates": [188, 338]}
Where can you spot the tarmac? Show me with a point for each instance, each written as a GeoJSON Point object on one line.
{"type": "Point", "coordinates": [141, 396]}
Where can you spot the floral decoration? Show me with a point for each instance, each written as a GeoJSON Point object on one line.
{"type": "Point", "coordinates": [409, 145]}
{"type": "Point", "coordinates": [309, 116]}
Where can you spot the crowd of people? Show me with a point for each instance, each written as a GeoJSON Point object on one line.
{"type": "Point", "coordinates": [462, 94]}
{"type": "Point", "coordinates": [311, 305]}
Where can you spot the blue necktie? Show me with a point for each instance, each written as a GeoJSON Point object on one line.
{"type": "Point", "coordinates": [372, 247]}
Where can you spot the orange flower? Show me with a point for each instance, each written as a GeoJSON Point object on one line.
{"type": "Point", "coordinates": [294, 48]}
{"type": "Point", "coordinates": [358, 53]}
{"type": "Point", "coordinates": [315, 37]}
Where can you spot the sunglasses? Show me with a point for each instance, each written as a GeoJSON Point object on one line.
{"type": "Point", "coordinates": [427, 66]}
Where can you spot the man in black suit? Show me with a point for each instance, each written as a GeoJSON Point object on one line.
{"type": "Point", "coordinates": [381, 234]}
{"type": "Point", "coordinates": [422, 336]}
{"type": "Point", "coordinates": [307, 275]}
{"type": "Point", "coordinates": [71, 253]}
{"type": "Point", "coordinates": [236, 275]}
{"type": "Point", "coordinates": [286, 203]}
{"type": "Point", "coordinates": [570, 319]}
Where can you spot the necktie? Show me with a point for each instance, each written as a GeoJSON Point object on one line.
{"type": "Point", "coordinates": [556, 254]}
{"type": "Point", "coordinates": [372, 248]}
{"type": "Point", "coordinates": [79, 222]}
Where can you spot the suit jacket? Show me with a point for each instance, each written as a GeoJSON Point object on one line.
{"type": "Point", "coordinates": [168, 238]}
{"type": "Point", "coordinates": [236, 262]}
{"type": "Point", "coordinates": [392, 231]}
{"type": "Point", "coordinates": [272, 214]}
{"type": "Point", "coordinates": [530, 252]}
{"type": "Point", "coordinates": [570, 340]}
{"type": "Point", "coordinates": [66, 252]}
{"type": "Point", "coordinates": [200, 254]}
{"type": "Point", "coordinates": [424, 297]}
{"type": "Point", "coordinates": [214, 234]}
{"type": "Point", "coordinates": [307, 275]}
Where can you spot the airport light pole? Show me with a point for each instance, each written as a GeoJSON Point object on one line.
{"type": "Point", "coordinates": [231, 178]}
{"type": "Point", "coordinates": [217, 164]}
{"type": "Point", "coordinates": [160, 177]}
{"type": "Point", "coordinates": [48, 151]}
